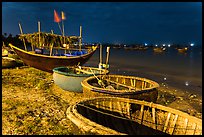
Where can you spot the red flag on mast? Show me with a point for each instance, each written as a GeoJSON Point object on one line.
{"type": "Point", "coordinates": [56, 17]}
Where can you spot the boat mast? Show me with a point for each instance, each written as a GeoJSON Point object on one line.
{"type": "Point", "coordinates": [39, 32]}
{"type": "Point", "coordinates": [107, 58]}
{"type": "Point", "coordinates": [80, 38]}
{"type": "Point", "coordinates": [100, 65]}
{"type": "Point", "coordinates": [23, 37]}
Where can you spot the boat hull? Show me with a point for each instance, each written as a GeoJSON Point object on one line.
{"type": "Point", "coordinates": [112, 115]}
{"type": "Point", "coordinates": [69, 80]}
{"type": "Point", "coordinates": [143, 89]}
{"type": "Point", "coordinates": [48, 63]}
{"type": "Point", "coordinates": [68, 83]}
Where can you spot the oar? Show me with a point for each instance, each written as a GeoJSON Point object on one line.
{"type": "Point", "coordinates": [23, 37]}
{"type": "Point", "coordinates": [100, 82]}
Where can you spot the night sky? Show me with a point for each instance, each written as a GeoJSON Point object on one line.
{"type": "Point", "coordinates": [113, 22]}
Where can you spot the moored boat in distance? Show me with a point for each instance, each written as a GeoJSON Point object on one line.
{"type": "Point", "coordinates": [121, 86]}
{"type": "Point", "coordinates": [141, 48]}
{"type": "Point", "coordinates": [70, 78]}
{"type": "Point", "coordinates": [119, 116]}
{"type": "Point", "coordinates": [182, 50]}
{"type": "Point", "coordinates": [159, 49]}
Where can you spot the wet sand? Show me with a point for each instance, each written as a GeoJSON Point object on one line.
{"type": "Point", "coordinates": [33, 104]}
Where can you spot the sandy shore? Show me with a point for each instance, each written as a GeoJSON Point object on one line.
{"type": "Point", "coordinates": [33, 104]}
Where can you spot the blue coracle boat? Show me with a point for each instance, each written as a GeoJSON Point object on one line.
{"type": "Point", "coordinates": [70, 78]}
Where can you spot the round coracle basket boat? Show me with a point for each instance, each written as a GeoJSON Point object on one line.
{"type": "Point", "coordinates": [113, 115]}
{"type": "Point", "coordinates": [70, 78]}
{"type": "Point", "coordinates": [121, 86]}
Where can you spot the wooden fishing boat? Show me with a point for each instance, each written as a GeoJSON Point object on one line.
{"type": "Point", "coordinates": [113, 115]}
{"type": "Point", "coordinates": [182, 50]}
{"type": "Point", "coordinates": [159, 49]}
{"type": "Point", "coordinates": [121, 86]}
{"type": "Point", "coordinates": [48, 63]}
{"type": "Point", "coordinates": [129, 48]}
{"type": "Point", "coordinates": [70, 78]}
{"type": "Point", "coordinates": [141, 48]}
{"type": "Point", "coordinates": [117, 46]}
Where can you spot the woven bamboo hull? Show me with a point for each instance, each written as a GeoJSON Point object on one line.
{"type": "Point", "coordinates": [112, 115]}
{"type": "Point", "coordinates": [134, 88]}
{"type": "Point", "coordinates": [48, 63]}
{"type": "Point", "coordinates": [70, 79]}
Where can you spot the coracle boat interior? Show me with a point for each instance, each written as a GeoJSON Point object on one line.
{"type": "Point", "coordinates": [121, 86]}
{"type": "Point", "coordinates": [114, 115]}
{"type": "Point", "coordinates": [70, 78]}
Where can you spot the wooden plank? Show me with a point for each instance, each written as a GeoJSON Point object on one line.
{"type": "Point", "coordinates": [84, 71]}
{"type": "Point", "coordinates": [129, 87]}
{"type": "Point", "coordinates": [167, 121]}
{"type": "Point", "coordinates": [195, 125]}
{"type": "Point", "coordinates": [97, 104]}
{"type": "Point", "coordinates": [141, 114]}
{"type": "Point", "coordinates": [145, 84]}
{"type": "Point", "coordinates": [119, 107]}
{"type": "Point", "coordinates": [117, 79]}
{"type": "Point", "coordinates": [186, 125]}
{"type": "Point", "coordinates": [153, 118]}
{"type": "Point", "coordinates": [173, 125]}
{"type": "Point", "coordinates": [110, 106]}
{"type": "Point", "coordinates": [123, 80]}
{"type": "Point", "coordinates": [128, 109]}
{"type": "Point", "coordinates": [135, 83]}
{"type": "Point", "coordinates": [131, 81]}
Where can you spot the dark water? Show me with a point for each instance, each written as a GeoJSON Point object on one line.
{"type": "Point", "coordinates": [182, 71]}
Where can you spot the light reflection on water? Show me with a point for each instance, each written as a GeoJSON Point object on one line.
{"type": "Point", "coordinates": [177, 68]}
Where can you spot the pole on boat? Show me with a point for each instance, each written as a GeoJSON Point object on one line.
{"type": "Point", "coordinates": [80, 38]}
{"type": "Point", "coordinates": [100, 61]}
{"type": "Point", "coordinates": [64, 44]}
{"type": "Point", "coordinates": [101, 50]}
{"type": "Point", "coordinates": [63, 34]}
{"type": "Point", "coordinates": [39, 32]}
{"type": "Point", "coordinates": [23, 37]}
{"type": "Point", "coordinates": [51, 49]}
{"type": "Point", "coordinates": [63, 30]}
{"type": "Point", "coordinates": [107, 58]}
